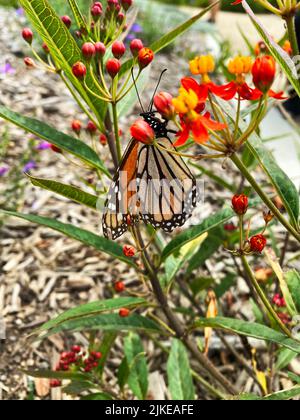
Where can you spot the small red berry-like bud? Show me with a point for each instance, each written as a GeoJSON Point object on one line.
{"type": "Point", "coordinates": [55, 383]}
{"type": "Point", "coordinates": [136, 46]}
{"type": "Point", "coordinates": [258, 243]}
{"type": "Point", "coordinates": [124, 312]}
{"type": "Point", "coordinates": [113, 67]}
{"type": "Point", "coordinates": [121, 17]}
{"type": "Point", "coordinates": [103, 139]}
{"type": "Point", "coordinates": [96, 355]}
{"type": "Point", "coordinates": [268, 217]}
{"type": "Point", "coordinates": [96, 10]}
{"type": "Point", "coordinates": [264, 71]}
{"type": "Point", "coordinates": [27, 34]}
{"type": "Point", "coordinates": [230, 227]}
{"type": "Point", "coordinates": [88, 368]}
{"type": "Point", "coordinates": [91, 127]}
{"type": "Point", "coordinates": [55, 149]}
{"type": "Point", "coordinates": [76, 349]}
{"type": "Point", "coordinates": [45, 48]}
{"type": "Point", "coordinates": [240, 203]}
{"type": "Point", "coordinates": [29, 62]}
{"type": "Point", "coordinates": [119, 287]}
{"type": "Point", "coordinates": [100, 49]}
{"type": "Point", "coordinates": [279, 301]}
{"type": "Point", "coordinates": [285, 318]}
{"type": "Point", "coordinates": [88, 50]}
{"type": "Point", "coordinates": [79, 70]}
{"type": "Point", "coordinates": [126, 4]}
{"type": "Point", "coordinates": [78, 34]}
{"type": "Point", "coordinates": [67, 21]}
{"type": "Point", "coordinates": [141, 131]}
{"type": "Point", "coordinates": [76, 126]}
{"type": "Point", "coordinates": [164, 104]}
{"type": "Point", "coordinates": [145, 57]}
{"type": "Point", "coordinates": [64, 355]}
{"type": "Point", "coordinates": [129, 251]}
{"type": "Point", "coordinates": [118, 49]}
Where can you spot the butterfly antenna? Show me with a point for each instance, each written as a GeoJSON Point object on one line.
{"type": "Point", "coordinates": [137, 92]}
{"type": "Point", "coordinates": [156, 89]}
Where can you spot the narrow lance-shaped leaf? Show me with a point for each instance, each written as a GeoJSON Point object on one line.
{"type": "Point", "coordinates": [249, 329]}
{"type": "Point", "coordinates": [68, 191]}
{"type": "Point", "coordinates": [78, 15]}
{"type": "Point", "coordinates": [65, 142]}
{"type": "Point", "coordinates": [62, 47]}
{"type": "Point", "coordinates": [179, 373]}
{"type": "Point", "coordinates": [88, 238]}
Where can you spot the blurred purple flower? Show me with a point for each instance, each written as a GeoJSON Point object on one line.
{"type": "Point", "coordinates": [3, 170]}
{"type": "Point", "coordinates": [130, 37]}
{"type": "Point", "coordinates": [136, 28]}
{"type": "Point", "coordinates": [43, 145]}
{"type": "Point", "coordinates": [7, 68]}
{"type": "Point", "coordinates": [20, 11]}
{"type": "Point", "coordinates": [29, 165]}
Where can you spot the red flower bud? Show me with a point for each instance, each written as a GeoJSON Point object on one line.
{"type": "Point", "coordinates": [96, 355]}
{"type": "Point", "coordinates": [164, 105]}
{"type": "Point", "coordinates": [103, 139]}
{"type": "Point", "coordinates": [113, 67]}
{"type": "Point", "coordinates": [88, 50]}
{"type": "Point", "coordinates": [78, 34]}
{"type": "Point", "coordinates": [91, 127]}
{"type": "Point", "coordinates": [76, 126]}
{"type": "Point", "coordinates": [76, 349]}
{"type": "Point", "coordinates": [29, 62]}
{"type": "Point", "coordinates": [135, 46]}
{"type": "Point", "coordinates": [126, 4]}
{"type": "Point", "coordinates": [119, 287]}
{"type": "Point", "coordinates": [279, 301]}
{"type": "Point", "coordinates": [240, 204]}
{"type": "Point", "coordinates": [96, 10]}
{"type": "Point", "coordinates": [27, 34]}
{"type": "Point", "coordinates": [79, 70]}
{"type": "Point", "coordinates": [118, 49]}
{"type": "Point", "coordinates": [285, 318]}
{"type": "Point", "coordinates": [121, 17]}
{"type": "Point", "coordinates": [141, 131]}
{"type": "Point", "coordinates": [55, 149]}
{"type": "Point", "coordinates": [124, 312]}
{"type": "Point", "coordinates": [67, 21]}
{"type": "Point", "coordinates": [258, 243]}
{"type": "Point", "coordinates": [129, 251]}
{"type": "Point", "coordinates": [100, 49]}
{"type": "Point", "coordinates": [55, 383]}
{"type": "Point", "coordinates": [145, 57]}
{"type": "Point", "coordinates": [45, 48]}
{"type": "Point", "coordinates": [264, 71]}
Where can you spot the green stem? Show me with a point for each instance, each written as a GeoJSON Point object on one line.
{"type": "Point", "coordinates": [269, 203]}
{"type": "Point", "coordinates": [269, 309]}
{"type": "Point", "coordinates": [291, 29]}
{"type": "Point", "coordinates": [116, 128]}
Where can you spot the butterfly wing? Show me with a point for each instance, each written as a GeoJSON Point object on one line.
{"type": "Point", "coordinates": [167, 190]}
{"type": "Point", "coordinates": [120, 204]}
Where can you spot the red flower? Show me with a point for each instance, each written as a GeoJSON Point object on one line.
{"type": "Point", "coordinates": [129, 251]}
{"type": "Point", "coordinates": [55, 383]}
{"type": "Point", "coordinates": [118, 49]}
{"type": "Point", "coordinates": [240, 204]}
{"type": "Point", "coordinates": [258, 243]}
{"type": "Point", "coordinates": [145, 57]}
{"type": "Point", "coordinates": [113, 66]}
{"type": "Point", "coordinates": [264, 72]}
{"type": "Point", "coordinates": [141, 131]}
{"type": "Point", "coordinates": [164, 105]}
{"type": "Point", "coordinates": [236, 2]}
{"type": "Point", "coordinates": [135, 46]}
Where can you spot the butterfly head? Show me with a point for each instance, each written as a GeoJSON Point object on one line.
{"type": "Point", "coordinates": [158, 126]}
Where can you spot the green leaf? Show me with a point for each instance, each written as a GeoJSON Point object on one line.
{"type": "Point", "coordinates": [249, 329]}
{"type": "Point", "coordinates": [98, 396]}
{"type": "Point", "coordinates": [194, 232]}
{"type": "Point", "coordinates": [105, 322]}
{"type": "Point", "coordinates": [77, 387]}
{"type": "Point", "coordinates": [168, 38]}
{"type": "Point", "coordinates": [293, 281]}
{"type": "Point", "coordinates": [88, 238]}
{"type": "Point", "coordinates": [137, 364]}
{"type": "Point", "coordinates": [225, 284]}
{"type": "Point", "coordinates": [206, 250]}
{"type": "Point", "coordinates": [107, 343]}
{"type": "Point", "coordinates": [68, 191]}
{"type": "Point", "coordinates": [63, 48]}
{"type": "Point", "coordinates": [285, 357]}
{"type": "Point", "coordinates": [284, 395]}
{"type": "Point", "coordinates": [285, 61]}
{"type": "Point", "coordinates": [63, 141]}
{"type": "Point", "coordinates": [94, 308]}
{"type": "Point", "coordinates": [78, 15]}
{"type": "Point", "coordinates": [43, 373]}
{"type": "Point", "coordinates": [123, 373]}
{"type": "Point", "coordinates": [179, 373]}
{"type": "Point", "coordinates": [294, 377]}
{"type": "Point", "coordinates": [281, 182]}
{"type": "Point", "coordinates": [201, 283]}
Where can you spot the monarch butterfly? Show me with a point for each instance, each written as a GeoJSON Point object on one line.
{"type": "Point", "coordinates": [151, 184]}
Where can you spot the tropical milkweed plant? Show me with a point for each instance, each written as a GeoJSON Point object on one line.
{"type": "Point", "coordinates": [150, 188]}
